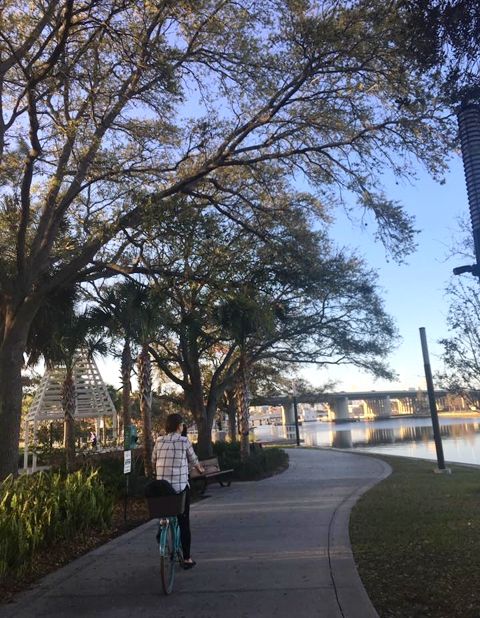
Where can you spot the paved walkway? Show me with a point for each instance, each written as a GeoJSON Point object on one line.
{"type": "Point", "coordinates": [279, 547]}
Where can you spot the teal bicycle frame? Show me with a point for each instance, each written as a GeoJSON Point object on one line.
{"type": "Point", "coordinates": [170, 549]}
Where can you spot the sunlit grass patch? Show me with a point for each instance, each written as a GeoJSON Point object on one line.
{"type": "Point", "coordinates": [416, 541]}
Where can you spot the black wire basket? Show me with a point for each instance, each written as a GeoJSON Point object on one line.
{"type": "Point", "coordinates": [166, 506]}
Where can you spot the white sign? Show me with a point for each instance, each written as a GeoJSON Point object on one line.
{"type": "Point", "coordinates": [127, 462]}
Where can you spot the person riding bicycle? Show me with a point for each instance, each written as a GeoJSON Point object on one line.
{"type": "Point", "coordinates": [172, 457]}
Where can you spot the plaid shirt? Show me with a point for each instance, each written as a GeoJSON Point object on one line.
{"type": "Point", "coordinates": [171, 455]}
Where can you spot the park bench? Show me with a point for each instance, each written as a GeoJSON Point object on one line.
{"type": "Point", "coordinates": [212, 473]}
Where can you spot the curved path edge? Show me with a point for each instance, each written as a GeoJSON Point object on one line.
{"type": "Point", "coordinates": [353, 600]}
{"type": "Point", "coordinates": [280, 547]}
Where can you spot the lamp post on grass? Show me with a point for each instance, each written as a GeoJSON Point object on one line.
{"type": "Point", "coordinates": [433, 406]}
{"type": "Point", "coordinates": [469, 129]}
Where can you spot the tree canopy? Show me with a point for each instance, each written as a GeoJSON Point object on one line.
{"type": "Point", "coordinates": [461, 362]}
{"type": "Point", "coordinates": [110, 107]}
{"type": "Point", "coordinates": [97, 102]}
{"type": "Point", "coordinates": [446, 34]}
{"type": "Point", "coordinates": [233, 298]}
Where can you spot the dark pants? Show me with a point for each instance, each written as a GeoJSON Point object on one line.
{"type": "Point", "coordinates": [184, 525]}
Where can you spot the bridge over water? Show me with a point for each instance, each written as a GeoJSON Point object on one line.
{"type": "Point", "coordinates": [382, 404]}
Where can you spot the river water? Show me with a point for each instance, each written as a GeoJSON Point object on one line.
{"type": "Point", "coordinates": [403, 436]}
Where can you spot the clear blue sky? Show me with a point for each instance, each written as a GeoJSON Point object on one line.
{"type": "Point", "coordinates": [413, 292]}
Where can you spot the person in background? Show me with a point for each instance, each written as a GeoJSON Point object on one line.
{"type": "Point", "coordinates": [172, 457]}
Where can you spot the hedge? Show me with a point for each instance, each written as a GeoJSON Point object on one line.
{"type": "Point", "coordinates": [261, 463]}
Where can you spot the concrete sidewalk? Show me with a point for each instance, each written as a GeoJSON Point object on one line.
{"type": "Point", "coordinates": [279, 547]}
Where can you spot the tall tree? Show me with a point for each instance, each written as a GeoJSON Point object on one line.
{"type": "Point", "coordinates": [147, 319]}
{"type": "Point", "coordinates": [116, 308]}
{"type": "Point", "coordinates": [241, 316]}
{"type": "Point", "coordinates": [446, 34]}
{"type": "Point", "coordinates": [93, 111]}
{"type": "Point", "coordinates": [128, 311]}
{"type": "Point", "coordinates": [461, 360]}
{"type": "Point", "coordinates": [229, 397]}
{"type": "Point", "coordinates": [461, 349]}
{"type": "Point", "coordinates": [238, 300]}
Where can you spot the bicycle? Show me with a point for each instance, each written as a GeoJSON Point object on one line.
{"type": "Point", "coordinates": [166, 509]}
{"type": "Point", "coordinates": [170, 549]}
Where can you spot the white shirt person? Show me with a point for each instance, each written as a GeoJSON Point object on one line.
{"type": "Point", "coordinates": [172, 457]}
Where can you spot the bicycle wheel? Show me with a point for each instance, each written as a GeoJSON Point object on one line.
{"type": "Point", "coordinates": [167, 558]}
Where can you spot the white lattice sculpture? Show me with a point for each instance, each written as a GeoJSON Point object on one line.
{"type": "Point", "coordinates": [92, 400]}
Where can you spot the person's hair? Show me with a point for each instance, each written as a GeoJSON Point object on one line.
{"type": "Point", "coordinates": [173, 422]}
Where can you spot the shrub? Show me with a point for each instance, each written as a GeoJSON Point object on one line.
{"type": "Point", "coordinates": [262, 461]}
{"type": "Point", "coordinates": [47, 456]}
{"type": "Point", "coordinates": [226, 449]}
{"type": "Point", "coordinates": [109, 467]}
{"type": "Point", "coordinates": [46, 507]}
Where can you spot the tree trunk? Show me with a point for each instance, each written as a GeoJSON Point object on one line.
{"type": "Point", "coordinates": [232, 415]}
{"type": "Point", "coordinates": [145, 377]}
{"type": "Point", "coordinates": [204, 426]}
{"type": "Point", "coordinates": [243, 404]}
{"type": "Point", "coordinates": [11, 362]}
{"type": "Point", "coordinates": [126, 385]}
{"type": "Point", "coordinates": [68, 403]}
{"type": "Point", "coordinates": [203, 417]}
{"type": "Point", "coordinates": [204, 448]}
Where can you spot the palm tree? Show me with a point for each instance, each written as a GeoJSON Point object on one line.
{"type": "Point", "coordinates": [147, 322]}
{"type": "Point", "coordinates": [229, 397]}
{"type": "Point", "coordinates": [243, 316]}
{"type": "Point", "coordinates": [129, 312]}
{"type": "Point", "coordinates": [116, 310]}
{"type": "Point", "coordinates": [242, 397]}
{"type": "Point", "coordinates": [145, 402]}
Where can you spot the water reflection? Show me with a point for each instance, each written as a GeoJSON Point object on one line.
{"type": "Point", "coordinates": [409, 437]}
{"type": "Point", "coordinates": [342, 439]}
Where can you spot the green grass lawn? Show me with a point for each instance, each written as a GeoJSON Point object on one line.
{"type": "Point", "coordinates": [416, 541]}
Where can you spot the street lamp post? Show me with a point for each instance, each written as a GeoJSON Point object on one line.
{"type": "Point", "coordinates": [433, 406]}
{"type": "Point", "coordinates": [469, 129]}
{"type": "Point", "coordinates": [295, 412]}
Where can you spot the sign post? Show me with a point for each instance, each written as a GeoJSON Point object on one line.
{"type": "Point", "coordinates": [127, 464]}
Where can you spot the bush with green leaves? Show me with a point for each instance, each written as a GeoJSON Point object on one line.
{"type": "Point", "coordinates": [47, 456]}
{"type": "Point", "coordinates": [109, 467]}
{"type": "Point", "coordinates": [261, 463]}
{"type": "Point", "coordinates": [41, 509]}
